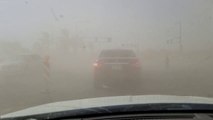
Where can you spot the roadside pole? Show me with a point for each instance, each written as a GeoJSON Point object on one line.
{"type": "Point", "coordinates": [46, 74]}
{"type": "Point", "coordinates": [167, 60]}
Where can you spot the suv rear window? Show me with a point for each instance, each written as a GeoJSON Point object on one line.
{"type": "Point", "coordinates": [117, 53]}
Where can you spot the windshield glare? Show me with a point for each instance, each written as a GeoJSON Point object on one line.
{"type": "Point", "coordinates": [60, 50]}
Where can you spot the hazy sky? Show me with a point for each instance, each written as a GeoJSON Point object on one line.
{"type": "Point", "coordinates": [150, 21]}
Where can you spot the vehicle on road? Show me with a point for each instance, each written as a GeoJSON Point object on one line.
{"type": "Point", "coordinates": [145, 107]}
{"type": "Point", "coordinates": [116, 65]}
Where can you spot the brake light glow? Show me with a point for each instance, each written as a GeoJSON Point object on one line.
{"type": "Point", "coordinates": [95, 65]}
{"type": "Point", "coordinates": [136, 63]}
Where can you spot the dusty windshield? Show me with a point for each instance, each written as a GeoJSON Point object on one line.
{"type": "Point", "coordinates": [50, 49]}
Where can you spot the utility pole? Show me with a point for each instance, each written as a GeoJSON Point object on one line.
{"type": "Point", "coordinates": [180, 37]}
{"type": "Point", "coordinates": [167, 59]}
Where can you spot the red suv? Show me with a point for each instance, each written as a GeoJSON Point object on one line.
{"type": "Point", "coordinates": [116, 65]}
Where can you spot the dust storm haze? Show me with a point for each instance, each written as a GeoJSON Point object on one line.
{"type": "Point", "coordinates": [48, 47]}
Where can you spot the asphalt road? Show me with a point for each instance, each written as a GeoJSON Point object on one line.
{"type": "Point", "coordinates": [30, 89]}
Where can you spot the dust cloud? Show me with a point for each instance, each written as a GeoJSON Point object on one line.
{"type": "Point", "coordinates": [47, 48]}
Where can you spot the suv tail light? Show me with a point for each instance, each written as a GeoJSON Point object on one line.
{"type": "Point", "coordinates": [98, 63]}
{"type": "Point", "coordinates": [95, 64]}
{"type": "Point", "coordinates": [136, 63]}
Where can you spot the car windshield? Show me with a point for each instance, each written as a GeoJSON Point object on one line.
{"type": "Point", "coordinates": [63, 50]}
{"type": "Point", "coordinates": [117, 53]}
